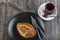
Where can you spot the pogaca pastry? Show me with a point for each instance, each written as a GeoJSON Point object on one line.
{"type": "Point", "coordinates": [26, 30]}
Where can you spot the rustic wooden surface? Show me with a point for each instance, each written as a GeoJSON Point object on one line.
{"type": "Point", "coordinates": [9, 8]}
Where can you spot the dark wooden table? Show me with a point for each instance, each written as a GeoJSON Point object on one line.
{"type": "Point", "coordinates": [9, 8]}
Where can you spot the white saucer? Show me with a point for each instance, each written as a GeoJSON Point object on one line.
{"type": "Point", "coordinates": [40, 13]}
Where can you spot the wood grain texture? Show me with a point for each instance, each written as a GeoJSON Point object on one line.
{"type": "Point", "coordinates": [52, 26]}
{"type": "Point", "coordinates": [58, 7]}
{"type": "Point", "coordinates": [9, 8]}
{"type": "Point", "coordinates": [2, 21]}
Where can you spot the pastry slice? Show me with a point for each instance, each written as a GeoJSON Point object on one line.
{"type": "Point", "coordinates": [26, 30]}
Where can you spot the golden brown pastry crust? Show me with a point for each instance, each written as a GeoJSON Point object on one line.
{"type": "Point", "coordinates": [26, 30]}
